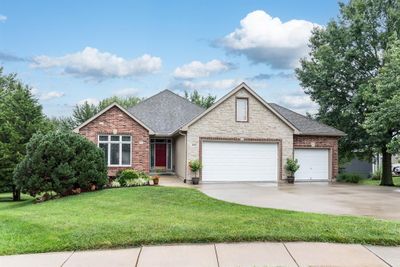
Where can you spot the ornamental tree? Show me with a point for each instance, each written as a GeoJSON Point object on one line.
{"type": "Point", "coordinates": [59, 162]}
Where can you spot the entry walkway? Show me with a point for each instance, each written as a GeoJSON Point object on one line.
{"type": "Point", "coordinates": [218, 255]}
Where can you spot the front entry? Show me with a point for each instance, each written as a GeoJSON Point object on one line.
{"type": "Point", "coordinates": [161, 154]}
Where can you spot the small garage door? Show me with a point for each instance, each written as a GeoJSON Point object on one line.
{"type": "Point", "coordinates": [314, 164]}
{"type": "Point", "coordinates": [228, 161]}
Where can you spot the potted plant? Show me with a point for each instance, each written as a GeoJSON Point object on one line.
{"type": "Point", "coordinates": [195, 166]}
{"type": "Point", "coordinates": [155, 179]}
{"type": "Point", "coordinates": [291, 168]}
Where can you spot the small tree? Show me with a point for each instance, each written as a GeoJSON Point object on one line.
{"type": "Point", "coordinates": [195, 166]}
{"type": "Point", "coordinates": [291, 166]}
{"type": "Point", "coordinates": [60, 162]}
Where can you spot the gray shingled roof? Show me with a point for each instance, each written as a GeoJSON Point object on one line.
{"type": "Point", "coordinates": [306, 125]}
{"type": "Point", "coordinates": [165, 112]}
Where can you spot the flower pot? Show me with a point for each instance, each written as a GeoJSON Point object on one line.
{"type": "Point", "coordinates": [155, 181]}
{"type": "Point", "coordinates": [195, 180]}
{"type": "Point", "coordinates": [290, 179]}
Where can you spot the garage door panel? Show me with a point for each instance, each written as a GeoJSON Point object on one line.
{"type": "Point", "coordinates": [228, 161]}
{"type": "Point", "coordinates": [314, 164]}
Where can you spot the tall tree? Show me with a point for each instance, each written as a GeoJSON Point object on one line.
{"type": "Point", "coordinates": [20, 117]}
{"type": "Point", "coordinates": [85, 111]}
{"type": "Point", "coordinates": [203, 101]}
{"type": "Point", "coordinates": [383, 95]}
{"type": "Point", "coordinates": [345, 56]}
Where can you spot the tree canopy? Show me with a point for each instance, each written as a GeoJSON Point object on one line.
{"type": "Point", "coordinates": [203, 101]}
{"type": "Point", "coordinates": [83, 112]}
{"type": "Point", "coordinates": [345, 57]}
{"type": "Point", "coordinates": [20, 117]}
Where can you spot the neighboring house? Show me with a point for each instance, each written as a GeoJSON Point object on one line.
{"type": "Point", "coordinates": [240, 138]}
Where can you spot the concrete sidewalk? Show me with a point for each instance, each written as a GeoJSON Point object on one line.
{"type": "Point", "coordinates": [223, 254]}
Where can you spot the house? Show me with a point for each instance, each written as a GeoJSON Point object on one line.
{"type": "Point", "coordinates": [240, 138]}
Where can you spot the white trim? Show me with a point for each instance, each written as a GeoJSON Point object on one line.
{"type": "Point", "coordinates": [76, 130]}
{"type": "Point", "coordinates": [120, 142]}
{"type": "Point", "coordinates": [231, 93]}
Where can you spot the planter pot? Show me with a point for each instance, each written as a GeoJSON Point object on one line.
{"type": "Point", "coordinates": [155, 181]}
{"type": "Point", "coordinates": [195, 180]}
{"type": "Point", "coordinates": [290, 179]}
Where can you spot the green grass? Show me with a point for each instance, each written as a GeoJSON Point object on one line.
{"type": "Point", "coordinates": [396, 181]}
{"type": "Point", "coordinates": [154, 215]}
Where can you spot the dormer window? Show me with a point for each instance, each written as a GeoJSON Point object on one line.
{"type": "Point", "coordinates": [242, 109]}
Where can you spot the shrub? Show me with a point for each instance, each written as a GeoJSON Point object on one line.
{"type": "Point", "coordinates": [377, 174]}
{"type": "Point", "coordinates": [137, 182]}
{"type": "Point", "coordinates": [127, 174]}
{"type": "Point", "coordinates": [349, 178]}
{"type": "Point", "coordinates": [60, 162]}
{"type": "Point", "coordinates": [291, 166]}
{"type": "Point", "coordinates": [128, 177]}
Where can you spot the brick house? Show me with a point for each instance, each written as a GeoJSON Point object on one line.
{"type": "Point", "coordinates": [240, 138]}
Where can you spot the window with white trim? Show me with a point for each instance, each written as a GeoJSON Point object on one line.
{"type": "Point", "coordinates": [117, 148]}
{"type": "Point", "coordinates": [242, 109]}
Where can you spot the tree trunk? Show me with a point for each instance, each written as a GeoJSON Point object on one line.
{"type": "Point", "coordinates": [386, 168]}
{"type": "Point", "coordinates": [16, 194]}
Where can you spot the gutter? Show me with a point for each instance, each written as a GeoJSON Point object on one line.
{"type": "Point", "coordinates": [185, 135]}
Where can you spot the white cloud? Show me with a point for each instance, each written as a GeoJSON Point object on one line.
{"type": "Point", "coordinates": [3, 18]}
{"type": "Point", "coordinates": [51, 95]}
{"type": "Point", "coordinates": [94, 64]}
{"type": "Point", "coordinates": [46, 96]}
{"type": "Point", "coordinates": [197, 69]}
{"type": "Point", "coordinates": [90, 101]}
{"type": "Point", "coordinates": [209, 85]}
{"type": "Point", "coordinates": [126, 92]}
{"type": "Point", "coordinates": [300, 103]}
{"type": "Point", "coordinates": [264, 39]}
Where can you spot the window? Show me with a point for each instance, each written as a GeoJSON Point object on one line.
{"type": "Point", "coordinates": [242, 109]}
{"type": "Point", "coordinates": [117, 148]}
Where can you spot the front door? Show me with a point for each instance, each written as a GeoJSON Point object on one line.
{"type": "Point", "coordinates": [161, 155]}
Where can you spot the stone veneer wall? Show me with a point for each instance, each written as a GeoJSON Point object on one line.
{"type": "Point", "coordinates": [331, 142]}
{"type": "Point", "coordinates": [115, 121]}
{"type": "Point", "coordinates": [221, 123]}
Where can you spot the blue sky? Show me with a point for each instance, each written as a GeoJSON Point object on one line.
{"type": "Point", "coordinates": [71, 51]}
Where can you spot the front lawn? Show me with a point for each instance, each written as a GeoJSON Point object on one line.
{"type": "Point", "coordinates": [154, 215]}
{"type": "Point", "coordinates": [396, 181]}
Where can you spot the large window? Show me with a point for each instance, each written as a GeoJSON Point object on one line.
{"type": "Point", "coordinates": [117, 148]}
{"type": "Point", "coordinates": [242, 109]}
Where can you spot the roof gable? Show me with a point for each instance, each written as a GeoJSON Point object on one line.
{"type": "Point", "coordinates": [233, 92]}
{"type": "Point", "coordinates": [166, 112]}
{"type": "Point", "coordinates": [108, 108]}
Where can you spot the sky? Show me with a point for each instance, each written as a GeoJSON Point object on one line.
{"type": "Point", "coordinates": [75, 51]}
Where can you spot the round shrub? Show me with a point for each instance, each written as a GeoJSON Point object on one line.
{"type": "Point", "coordinates": [60, 162]}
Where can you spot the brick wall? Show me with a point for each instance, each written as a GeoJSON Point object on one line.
{"type": "Point", "coordinates": [115, 121]}
{"type": "Point", "coordinates": [331, 142]}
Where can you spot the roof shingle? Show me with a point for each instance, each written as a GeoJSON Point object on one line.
{"type": "Point", "coordinates": [305, 125]}
{"type": "Point", "coordinates": [165, 112]}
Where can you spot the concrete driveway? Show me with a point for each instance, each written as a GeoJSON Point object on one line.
{"type": "Point", "coordinates": [342, 199]}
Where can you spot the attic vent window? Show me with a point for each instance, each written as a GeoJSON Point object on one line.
{"type": "Point", "coordinates": [242, 109]}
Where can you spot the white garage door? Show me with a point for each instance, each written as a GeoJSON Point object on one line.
{"type": "Point", "coordinates": [314, 164]}
{"type": "Point", "coordinates": [227, 161]}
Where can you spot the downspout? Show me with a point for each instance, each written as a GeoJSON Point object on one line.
{"type": "Point", "coordinates": [185, 135]}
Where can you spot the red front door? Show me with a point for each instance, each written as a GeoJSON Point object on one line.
{"type": "Point", "coordinates": [161, 155]}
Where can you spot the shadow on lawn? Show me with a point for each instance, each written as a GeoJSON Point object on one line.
{"type": "Point", "coordinates": [13, 204]}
